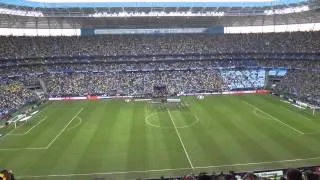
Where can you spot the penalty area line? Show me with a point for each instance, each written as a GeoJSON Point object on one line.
{"type": "Point", "coordinates": [273, 118]}
{"type": "Point", "coordinates": [11, 132]}
{"type": "Point", "coordinates": [64, 128]}
{"type": "Point", "coordinates": [164, 170]}
{"type": "Point", "coordinates": [22, 134]}
{"type": "Point", "coordinates": [52, 141]}
{"type": "Point", "coordinates": [76, 125]}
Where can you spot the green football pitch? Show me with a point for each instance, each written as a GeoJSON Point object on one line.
{"type": "Point", "coordinates": [127, 140]}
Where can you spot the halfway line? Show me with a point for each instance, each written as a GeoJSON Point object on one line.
{"type": "Point", "coordinates": [184, 148]}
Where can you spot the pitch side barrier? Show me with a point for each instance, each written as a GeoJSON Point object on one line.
{"type": "Point", "coordinates": [141, 99]}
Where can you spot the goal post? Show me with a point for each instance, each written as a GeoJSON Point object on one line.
{"type": "Point", "coordinates": [315, 110]}
{"type": "Point", "coordinates": [18, 119]}
{"type": "Point", "coordinates": [200, 97]}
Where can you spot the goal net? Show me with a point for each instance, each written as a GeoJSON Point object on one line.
{"type": "Point", "coordinates": [19, 119]}
{"type": "Point", "coordinates": [6, 125]}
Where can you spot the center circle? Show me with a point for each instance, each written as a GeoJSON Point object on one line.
{"type": "Point", "coordinates": [154, 120]}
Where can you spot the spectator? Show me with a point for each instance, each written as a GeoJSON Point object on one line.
{"type": "Point", "coordinates": [294, 174]}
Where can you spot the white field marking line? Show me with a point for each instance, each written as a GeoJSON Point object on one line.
{"type": "Point", "coordinates": [163, 170]}
{"type": "Point", "coordinates": [152, 125]}
{"type": "Point", "coordinates": [147, 120]}
{"type": "Point", "coordinates": [192, 124]}
{"type": "Point", "coordinates": [76, 125]}
{"type": "Point", "coordinates": [22, 134]}
{"type": "Point", "coordinates": [102, 173]}
{"type": "Point", "coordinates": [11, 131]}
{"type": "Point", "coordinates": [184, 148]}
{"type": "Point", "coordinates": [52, 141]}
{"type": "Point", "coordinates": [18, 149]}
{"type": "Point", "coordinates": [312, 133]}
{"type": "Point", "coordinates": [260, 116]}
{"type": "Point", "coordinates": [259, 163]}
{"type": "Point", "coordinates": [304, 117]}
{"type": "Point", "coordinates": [273, 118]}
{"type": "Point", "coordinates": [24, 123]}
{"type": "Point", "coordinates": [64, 128]}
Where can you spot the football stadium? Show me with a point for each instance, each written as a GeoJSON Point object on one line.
{"type": "Point", "coordinates": [170, 90]}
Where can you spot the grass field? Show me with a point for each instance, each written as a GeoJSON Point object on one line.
{"type": "Point", "coordinates": [104, 139]}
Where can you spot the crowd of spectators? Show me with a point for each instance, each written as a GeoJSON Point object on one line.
{"type": "Point", "coordinates": [288, 174]}
{"type": "Point", "coordinates": [92, 66]}
{"type": "Point", "coordinates": [13, 95]}
{"type": "Point", "coordinates": [244, 79]}
{"type": "Point", "coordinates": [292, 64]}
{"type": "Point", "coordinates": [136, 78]}
{"type": "Point", "coordinates": [133, 83]}
{"type": "Point", "coordinates": [303, 85]}
{"type": "Point", "coordinates": [294, 42]}
{"type": "Point", "coordinates": [122, 66]}
{"type": "Point", "coordinates": [133, 64]}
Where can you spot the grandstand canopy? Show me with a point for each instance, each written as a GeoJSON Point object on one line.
{"type": "Point", "coordinates": [55, 14]}
{"type": "Point", "coordinates": [150, 3]}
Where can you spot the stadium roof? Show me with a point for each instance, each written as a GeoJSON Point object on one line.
{"type": "Point", "coordinates": [149, 3]}
{"type": "Point", "coordinates": [156, 22]}
{"type": "Point", "coordinates": [138, 8]}
{"type": "Point", "coordinates": [106, 14]}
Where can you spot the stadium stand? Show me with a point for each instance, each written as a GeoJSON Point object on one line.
{"type": "Point", "coordinates": [111, 45]}
{"type": "Point", "coordinates": [112, 65]}
{"type": "Point", "coordinates": [70, 65]}
{"type": "Point", "coordinates": [13, 95]}
{"type": "Point", "coordinates": [289, 174]}
{"type": "Point", "coordinates": [244, 79]}
{"type": "Point", "coordinates": [301, 84]}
